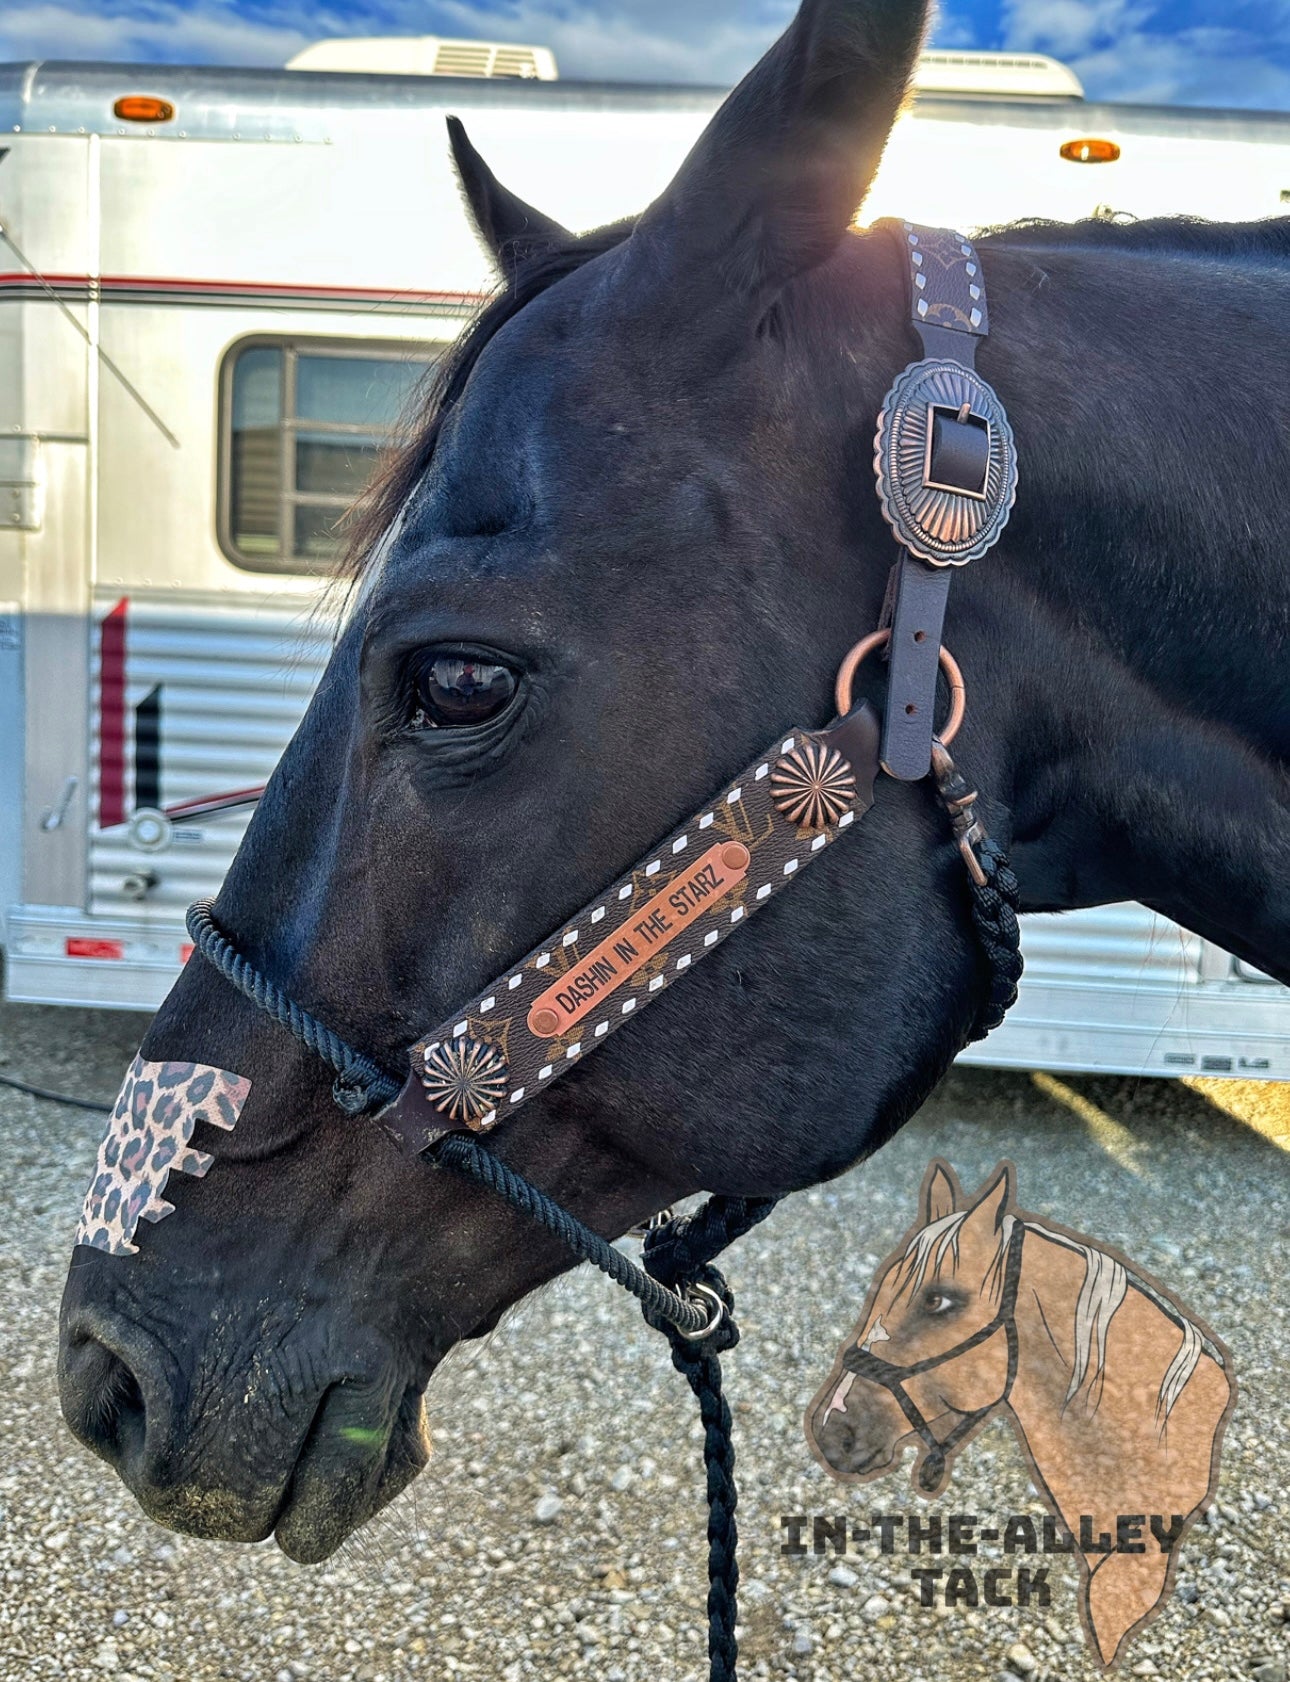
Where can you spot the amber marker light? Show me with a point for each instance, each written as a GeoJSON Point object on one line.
{"type": "Point", "coordinates": [142, 108]}
{"type": "Point", "coordinates": [1090, 151]}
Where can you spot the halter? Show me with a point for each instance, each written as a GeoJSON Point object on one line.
{"type": "Point", "coordinates": [947, 474]}
{"type": "Point", "coordinates": [893, 1378]}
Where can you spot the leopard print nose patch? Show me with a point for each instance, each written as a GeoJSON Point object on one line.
{"type": "Point", "coordinates": [147, 1140]}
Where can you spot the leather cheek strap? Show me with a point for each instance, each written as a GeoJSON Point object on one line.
{"type": "Point", "coordinates": [948, 312]}
{"type": "Point", "coordinates": [915, 613]}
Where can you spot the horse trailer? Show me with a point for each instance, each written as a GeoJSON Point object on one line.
{"type": "Point", "coordinates": [218, 290]}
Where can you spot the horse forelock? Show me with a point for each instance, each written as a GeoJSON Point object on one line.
{"type": "Point", "coordinates": [938, 1242]}
{"type": "Point", "coordinates": [377, 510]}
{"type": "Point", "coordinates": [930, 1246]}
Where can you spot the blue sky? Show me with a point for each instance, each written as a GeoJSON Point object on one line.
{"type": "Point", "coordinates": [1225, 52]}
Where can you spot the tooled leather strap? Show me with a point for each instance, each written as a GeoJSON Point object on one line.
{"type": "Point", "coordinates": [946, 468]}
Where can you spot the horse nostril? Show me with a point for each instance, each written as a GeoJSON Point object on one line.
{"type": "Point", "coordinates": [835, 1435]}
{"type": "Point", "coordinates": [103, 1401]}
{"type": "Point", "coordinates": [119, 1405]}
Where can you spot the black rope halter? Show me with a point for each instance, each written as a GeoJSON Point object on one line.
{"type": "Point", "coordinates": [680, 1292]}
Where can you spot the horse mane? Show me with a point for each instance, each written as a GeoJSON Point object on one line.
{"type": "Point", "coordinates": [1106, 1284]}
{"type": "Point", "coordinates": [1182, 236]}
{"type": "Point", "coordinates": [1103, 1290]}
{"type": "Point", "coordinates": [410, 454]}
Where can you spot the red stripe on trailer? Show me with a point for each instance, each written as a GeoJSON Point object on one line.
{"type": "Point", "coordinates": [185, 953]}
{"type": "Point", "coordinates": [112, 809]}
{"type": "Point", "coordinates": [84, 946]}
{"type": "Point", "coordinates": [207, 803]}
{"type": "Point", "coordinates": [109, 285]}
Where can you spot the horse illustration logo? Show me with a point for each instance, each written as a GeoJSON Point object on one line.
{"type": "Point", "coordinates": [1118, 1395]}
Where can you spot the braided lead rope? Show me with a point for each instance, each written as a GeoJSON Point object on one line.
{"type": "Point", "coordinates": [994, 914]}
{"type": "Point", "coordinates": [700, 1366]}
{"type": "Point", "coordinates": [684, 1249]}
{"type": "Point", "coordinates": [996, 895]}
{"type": "Point", "coordinates": [360, 1083]}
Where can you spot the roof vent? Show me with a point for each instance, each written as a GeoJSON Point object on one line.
{"type": "Point", "coordinates": [427, 55]}
{"type": "Point", "coordinates": [1000, 75]}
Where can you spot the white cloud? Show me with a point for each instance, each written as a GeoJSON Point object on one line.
{"type": "Point", "coordinates": [1122, 49]}
{"type": "Point", "coordinates": [1068, 28]}
{"type": "Point", "coordinates": [174, 32]}
{"type": "Point", "coordinates": [952, 29]}
{"type": "Point", "coordinates": [1188, 69]}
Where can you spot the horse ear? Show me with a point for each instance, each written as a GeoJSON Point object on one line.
{"type": "Point", "coordinates": [938, 1197]}
{"type": "Point", "coordinates": [775, 180]}
{"type": "Point", "coordinates": [512, 230]}
{"type": "Point", "coordinates": [995, 1200]}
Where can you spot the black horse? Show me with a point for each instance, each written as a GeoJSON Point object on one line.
{"type": "Point", "coordinates": [641, 505]}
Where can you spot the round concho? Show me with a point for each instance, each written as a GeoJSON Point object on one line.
{"type": "Point", "coordinates": [935, 522]}
{"type": "Point", "coordinates": [465, 1080]}
{"type": "Point", "coordinates": [813, 785]}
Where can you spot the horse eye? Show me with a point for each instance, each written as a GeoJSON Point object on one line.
{"type": "Point", "coordinates": [453, 691]}
{"type": "Point", "coordinates": [936, 1302]}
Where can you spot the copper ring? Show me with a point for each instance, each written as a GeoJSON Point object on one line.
{"type": "Point", "coordinates": [879, 639]}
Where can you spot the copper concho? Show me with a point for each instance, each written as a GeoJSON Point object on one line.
{"type": "Point", "coordinates": [935, 522]}
{"type": "Point", "coordinates": [813, 785]}
{"type": "Point", "coordinates": [464, 1080]}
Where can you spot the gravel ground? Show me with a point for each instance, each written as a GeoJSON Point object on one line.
{"type": "Point", "coordinates": [558, 1531]}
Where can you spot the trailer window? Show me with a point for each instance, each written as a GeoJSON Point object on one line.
{"type": "Point", "coordinates": [302, 424]}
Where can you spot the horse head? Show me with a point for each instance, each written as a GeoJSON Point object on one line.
{"type": "Point", "coordinates": [610, 560]}
{"type": "Point", "coordinates": [1117, 1393]}
{"type": "Point", "coordinates": [933, 1354]}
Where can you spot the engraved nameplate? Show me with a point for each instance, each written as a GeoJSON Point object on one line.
{"type": "Point", "coordinates": [656, 926]}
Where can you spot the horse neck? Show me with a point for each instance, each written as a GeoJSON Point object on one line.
{"type": "Point", "coordinates": [1147, 515]}
{"type": "Point", "coordinates": [1128, 635]}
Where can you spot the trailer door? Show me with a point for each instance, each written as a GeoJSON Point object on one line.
{"type": "Point", "coordinates": [48, 372]}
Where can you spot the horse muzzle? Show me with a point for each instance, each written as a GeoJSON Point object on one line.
{"type": "Point", "coordinates": [862, 1441]}
{"type": "Point", "coordinates": [239, 1450]}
